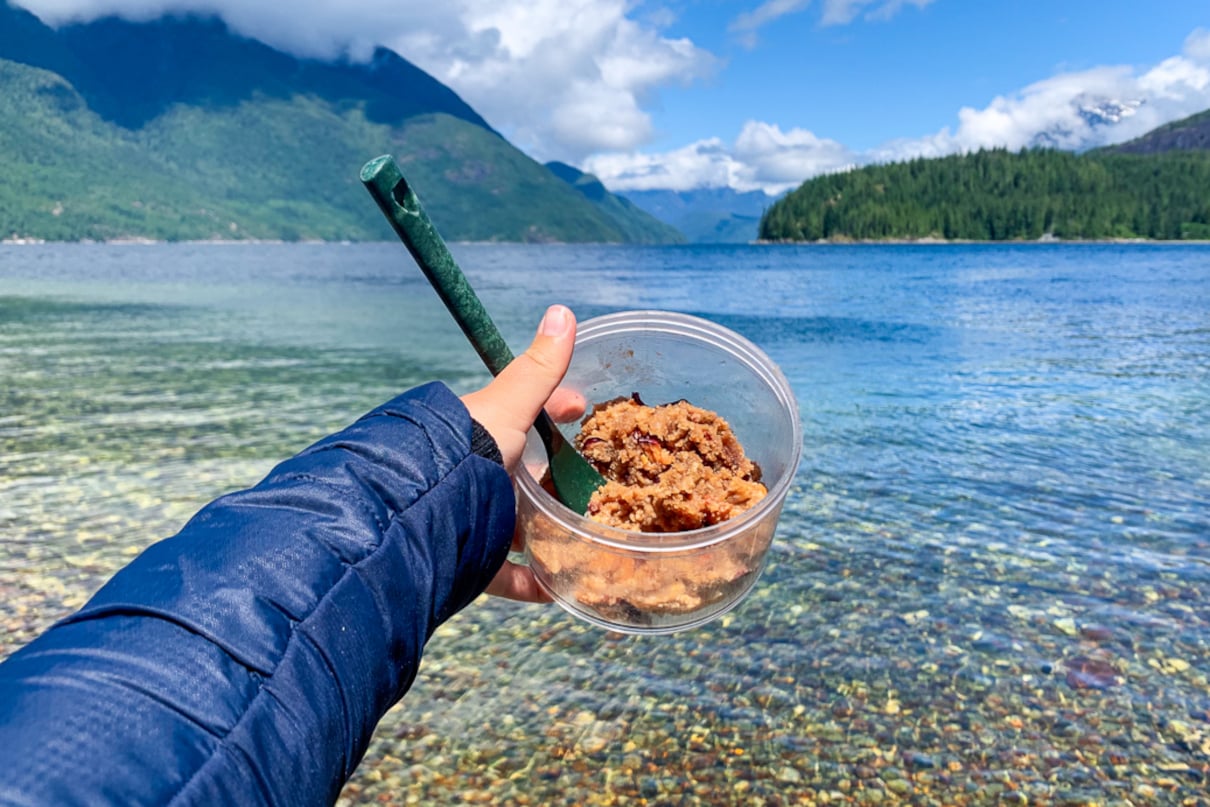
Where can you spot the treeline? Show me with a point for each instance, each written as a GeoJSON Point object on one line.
{"type": "Point", "coordinates": [998, 195]}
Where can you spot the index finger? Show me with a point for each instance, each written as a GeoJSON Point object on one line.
{"type": "Point", "coordinates": [565, 405]}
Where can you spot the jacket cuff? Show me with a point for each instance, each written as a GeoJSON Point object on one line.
{"type": "Point", "coordinates": [483, 444]}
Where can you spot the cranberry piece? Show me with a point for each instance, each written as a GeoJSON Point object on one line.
{"type": "Point", "coordinates": [644, 439]}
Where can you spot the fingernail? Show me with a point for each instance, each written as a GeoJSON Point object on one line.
{"type": "Point", "coordinates": [556, 321]}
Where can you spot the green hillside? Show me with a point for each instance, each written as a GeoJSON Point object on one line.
{"type": "Point", "coordinates": [178, 130]}
{"type": "Point", "coordinates": [637, 226]}
{"type": "Point", "coordinates": [69, 175]}
{"type": "Point", "coordinates": [999, 195]}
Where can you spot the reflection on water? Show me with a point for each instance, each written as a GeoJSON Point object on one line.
{"type": "Point", "coordinates": [989, 585]}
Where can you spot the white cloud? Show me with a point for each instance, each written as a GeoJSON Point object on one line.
{"type": "Point", "coordinates": [775, 160]}
{"type": "Point", "coordinates": [842, 12]}
{"type": "Point", "coordinates": [762, 157]}
{"type": "Point", "coordinates": [1197, 45]}
{"type": "Point", "coordinates": [765, 13]}
{"type": "Point", "coordinates": [835, 12]}
{"type": "Point", "coordinates": [560, 78]}
{"type": "Point", "coordinates": [706, 163]}
{"type": "Point", "coordinates": [1081, 110]}
{"type": "Point", "coordinates": [1078, 110]}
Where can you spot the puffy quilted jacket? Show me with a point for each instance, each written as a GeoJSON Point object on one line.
{"type": "Point", "coordinates": [247, 659]}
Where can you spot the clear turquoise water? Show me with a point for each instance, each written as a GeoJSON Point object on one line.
{"type": "Point", "coordinates": [991, 583]}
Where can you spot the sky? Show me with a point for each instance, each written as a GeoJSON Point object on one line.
{"type": "Point", "coordinates": [759, 94]}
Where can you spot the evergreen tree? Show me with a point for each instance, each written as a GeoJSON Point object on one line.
{"type": "Point", "coordinates": [999, 195]}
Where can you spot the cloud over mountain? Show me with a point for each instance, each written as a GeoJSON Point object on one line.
{"type": "Point", "coordinates": [560, 78]}
{"type": "Point", "coordinates": [577, 80]}
{"type": "Point", "coordinates": [1078, 110]}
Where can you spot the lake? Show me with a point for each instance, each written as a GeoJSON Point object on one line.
{"type": "Point", "coordinates": [990, 583]}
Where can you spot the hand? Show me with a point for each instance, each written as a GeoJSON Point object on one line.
{"type": "Point", "coordinates": [507, 408]}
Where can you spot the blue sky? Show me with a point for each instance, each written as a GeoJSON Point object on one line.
{"type": "Point", "coordinates": [761, 94]}
{"type": "Point", "coordinates": [868, 81]}
{"type": "Point", "coordinates": [823, 85]}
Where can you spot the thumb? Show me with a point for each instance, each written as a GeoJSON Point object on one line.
{"type": "Point", "coordinates": [508, 406]}
{"type": "Point", "coordinates": [523, 387]}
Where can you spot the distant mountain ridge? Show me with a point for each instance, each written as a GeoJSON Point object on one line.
{"type": "Point", "coordinates": [707, 215]}
{"type": "Point", "coordinates": [193, 132]}
{"type": "Point", "coordinates": [639, 226]}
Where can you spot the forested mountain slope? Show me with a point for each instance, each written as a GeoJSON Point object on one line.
{"type": "Point", "coordinates": [1156, 186]}
{"type": "Point", "coordinates": [179, 129]}
{"type": "Point", "coordinates": [999, 195]}
{"type": "Point", "coordinates": [1187, 134]}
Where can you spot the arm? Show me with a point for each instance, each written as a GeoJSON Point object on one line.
{"type": "Point", "coordinates": [250, 656]}
{"type": "Point", "coordinates": [247, 659]}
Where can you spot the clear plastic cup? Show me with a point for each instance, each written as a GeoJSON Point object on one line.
{"type": "Point", "coordinates": [636, 582]}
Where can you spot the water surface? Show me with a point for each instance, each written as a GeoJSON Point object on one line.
{"type": "Point", "coordinates": [990, 583]}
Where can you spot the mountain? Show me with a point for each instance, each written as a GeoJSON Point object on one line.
{"type": "Point", "coordinates": [638, 226]}
{"type": "Point", "coordinates": [1093, 118]}
{"type": "Point", "coordinates": [708, 215]}
{"type": "Point", "coordinates": [180, 129]}
{"type": "Point", "coordinates": [1192, 133]}
{"type": "Point", "coordinates": [997, 195]}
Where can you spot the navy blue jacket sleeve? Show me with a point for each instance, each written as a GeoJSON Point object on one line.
{"type": "Point", "coordinates": [247, 659]}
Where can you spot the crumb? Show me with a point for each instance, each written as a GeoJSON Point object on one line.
{"type": "Point", "coordinates": [669, 468]}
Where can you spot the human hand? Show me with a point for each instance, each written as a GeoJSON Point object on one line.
{"type": "Point", "coordinates": [507, 408]}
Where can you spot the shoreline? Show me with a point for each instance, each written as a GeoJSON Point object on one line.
{"type": "Point", "coordinates": [935, 242]}
{"type": "Point", "coordinates": [931, 242]}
